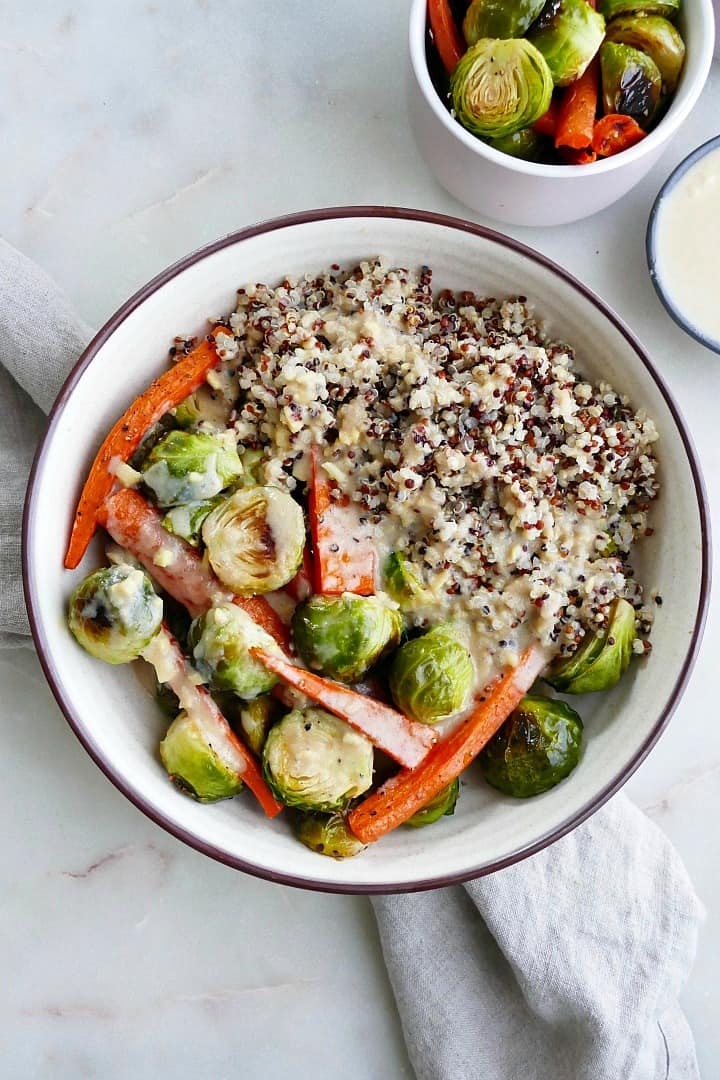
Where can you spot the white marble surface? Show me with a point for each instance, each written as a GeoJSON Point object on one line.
{"type": "Point", "coordinates": [131, 136]}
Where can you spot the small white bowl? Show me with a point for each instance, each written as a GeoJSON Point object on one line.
{"type": "Point", "coordinates": [526, 192]}
{"type": "Point", "coordinates": [121, 726]}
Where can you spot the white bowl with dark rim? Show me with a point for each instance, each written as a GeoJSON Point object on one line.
{"type": "Point", "coordinates": [529, 192]}
{"type": "Point", "coordinates": [118, 722]}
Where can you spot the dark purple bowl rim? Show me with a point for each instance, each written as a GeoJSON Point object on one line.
{"type": "Point", "coordinates": [55, 682]}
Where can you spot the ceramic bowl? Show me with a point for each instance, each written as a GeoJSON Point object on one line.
{"type": "Point", "coordinates": [121, 726]}
{"type": "Point", "coordinates": [525, 192]}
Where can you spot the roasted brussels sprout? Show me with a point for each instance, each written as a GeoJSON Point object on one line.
{"type": "Point", "coordinates": [327, 835]}
{"type": "Point", "coordinates": [569, 38]}
{"type": "Point", "coordinates": [500, 87]}
{"type": "Point", "coordinates": [525, 144]}
{"type": "Point", "coordinates": [655, 36]}
{"type": "Point", "coordinates": [186, 521]}
{"type": "Point", "coordinates": [631, 82]}
{"type": "Point", "coordinates": [612, 8]}
{"type": "Point", "coordinates": [401, 580]}
{"type": "Point", "coordinates": [220, 641]}
{"type": "Point", "coordinates": [313, 761]}
{"type": "Point", "coordinates": [432, 676]}
{"type": "Point", "coordinates": [256, 718]}
{"type": "Point", "coordinates": [205, 406]}
{"type": "Point", "coordinates": [601, 660]}
{"type": "Point", "coordinates": [185, 467]}
{"type": "Point", "coordinates": [499, 18]}
{"type": "Point", "coordinates": [536, 747]}
{"type": "Point", "coordinates": [441, 806]}
{"type": "Point", "coordinates": [251, 462]}
{"type": "Point", "coordinates": [344, 636]}
{"type": "Point", "coordinates": [195, 765]}
{"type": "Point", "coordinates": [255, 540]}
{"type": "Point", "coordinates": [114, 613]}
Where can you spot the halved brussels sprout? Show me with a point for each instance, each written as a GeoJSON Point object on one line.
{"type": "Point", "coordinates": [195, 765]}
{"type": "Point", "coordinates": [114, 613]}
{"type": "Point", "coordinates": [255, 540]}
{"type": "Point", "coordinates": [655, 36]}
{"type": "Point", "coordinates": [186, 521]}
{"type": "Point", "coordinates": [525, 144]}
{"type": "Point", "coordinates": [402, 582]}
{"type": "Point", "coordinates": [327, 835]}
{"type": "Point", "coordinates": [256, 718]}
{"type": "Point", "coordinates": [220, 641]}
{"type": "Point", "coordinates": [185, 467]}
{"type": "Point", "coordinates": [631, 82]}
{"type": "Point", "coordinates": [569, 38]}
{"type": "Point", "coordinates": [203, 406]}
{"type": "Point", "coordinates": [537, 747]}
{"type": "Point", "coordinates": [432, 676]}
{"type": "Point", "coordinates": [612, 8]}
{"type": "Point", "coordinates": [441, 806]}
{"type": "Point", "coordinates": [600, 661]}
{"type": "Point", "coordinates": [500, 86]}
{"type": "Point", "coordinates": [314, 761]}
{"type": "Point", "coordinates": [344, 636]}
{"type": "Point", "coordinates": [499, 18]}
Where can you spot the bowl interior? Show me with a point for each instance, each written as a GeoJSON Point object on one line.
{"type": "Point", "coordinates": [120, 724]}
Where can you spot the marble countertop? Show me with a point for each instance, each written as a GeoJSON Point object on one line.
{"type": "Point", "coordinates": [128, 141]}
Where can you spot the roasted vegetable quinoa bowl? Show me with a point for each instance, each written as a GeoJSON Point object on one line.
{"type": "Point", "coordinates": [390, 531]}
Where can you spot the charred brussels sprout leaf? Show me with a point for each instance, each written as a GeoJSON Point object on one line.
{"type": "Point", "coordinates": [185, 467]}
{"type": "Point", "coordinates": [612, 8]}
{"type": "Point", "coordinates": [525, 144]}
{"type": "Point", "coordinates": [314, 761]}
{"type": "Point", "coordinates": [186, 521]}
{"type": "Point", "coordinates": [196, 766]}
{"type": "Point", "coordinates": [536, 747]}
{"type": "Point", "coordinates": [255, 540]}
{"type": "Point", "coordinates": [343, 637]}
{"type": "Point", "coordinates": [402, 581]}
{"type": "Point", "coordinates": [568, 39]}
{"type": "Point", "coordinates": [657, 38]}
{"type": "Point", "coordinates": [220, 641]}
{"type": "Point", "coordinates": [441, 806]}
{"type": "Point", "coordinates": [256, 718]}
{"type": "Point", "coordinates": [327, 835]}
{"type": "Point", "coordinates": [500, 87]}
{"type": "Point", "coordinates": [631, 83]}
{"type": "Point", "coordinates": [600, 661]}
{"type": "Point", "coordinates": [432, 676]}
{"type": "Point", "coordinates": [114, 613]}
{"type": "Point", "coordinates": [499, 18]}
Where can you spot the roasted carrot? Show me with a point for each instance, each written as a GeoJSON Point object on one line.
{"type": "Point", "coordinates": [576, 110]}
{"type": "Point", "coordinates": [547, 123]}
{"type": "Point", "coordinates": [167, 391]}
{"type": "Point", "coordinates": [401, 796]}
{"type": "Point", "coordinates": [614, 133]}
{"type": "Point", "coordinates": [344, 554]}
{"type": "Point", "coordinates": [448, 39]}
{"type": "Point", "coordinates": [577, 157]}
{"type": "Point", "coordinates": [406, 741]}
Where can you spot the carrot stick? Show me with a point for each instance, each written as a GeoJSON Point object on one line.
{"type": "Point", "coordinates": [401, 796]}
{"type": "Point", "coordinates": [448, 40]}
{"type": "Point", "coordinates": [167, 391]}
{"type": "Point", "coordinates": [344, 556]}
{"type": "Point", "coordinates": [614, 133]}
{"type": "Point", "coordinates": [178, 568]}
{"type": "Point", "coordinates": [577, 157]}
{"type": "Point", "coordinates": [547, 123]}
{"type": "Point", "coordinates": [576, 111]}
{"type": "Point", "coordinates": [406, 741]}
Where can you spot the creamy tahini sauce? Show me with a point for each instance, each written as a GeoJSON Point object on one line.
{"type": "Point", "coordinates": [687, 239]}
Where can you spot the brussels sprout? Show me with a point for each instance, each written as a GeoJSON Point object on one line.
{"type": "Point", "coordinates": [525, 144]}
{"type": "Point", "coordinates": [401, 580]}
{"type": "Point", "coordinates": [500, 87]}
{"type": "Point", "coordinates": [256, 718]}
{"type": "Point", "coordinates": [114, 613]}
{"type": "Point", "coordinates": [432, 676]}
{"type": "Point", "coordinates": [536, 747]}
{"type": "Point", "coordinates": [569, 39]}
{"type": "Point", "coordinates": [612, 8]}
{"type": "Point", "coordinates": [255, 540]}
{"type": "Point", "coordinates": [251, 463]}
{"type": "Point", "coordinates": [327, 835]}
{"type": "Point", "coordinates": [631, 82]}
{"type": "Point", "coordinates": [186, 521]}
{"type": "Point", "coordinates": [219, 642]}
{"type": "Point", "coordinates": [203, 406]}
{"type": "Point", "coordinates": [314, 761]}
{"type": "Point", "coordinates": [600, 661]}
{"type": "Point", "coordinates": [655, 36]}
{"type": "Point", "coordinates": [343, 636]}
{"type": "Point", "coordinates": [442, 805]}
{"type": "Point", "coordinates": [185, 467]}
{"type": "Point", "coordinates": [195, 765]}
{"type": "Point", "coordinates": [499, 18]}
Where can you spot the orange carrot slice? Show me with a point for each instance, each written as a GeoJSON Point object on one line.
{"type": "Point", "coordinates": [448, 40]}
{"type": "Point", "coordinates": [406, 741]}
{"type": "Point", "coordinates": [401, 796]}
{"type": "Point", "coordinates": [344, 554]}
{"type": "Point", "coordinates": [576, 110]}
{"type": "Point", "coordinates": [614, 133]}
{"type": "Point", "coordinates": [547, 123]}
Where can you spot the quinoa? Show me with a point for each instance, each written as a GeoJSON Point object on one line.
{"type": "Point", "coordinates": [466, 437]}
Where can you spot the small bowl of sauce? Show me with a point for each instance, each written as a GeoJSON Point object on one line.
{"type": "Point", "coordinates": [683, 244]}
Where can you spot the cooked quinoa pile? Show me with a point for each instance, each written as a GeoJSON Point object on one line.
{"type": "Point", "coordinates": [466, 438]}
